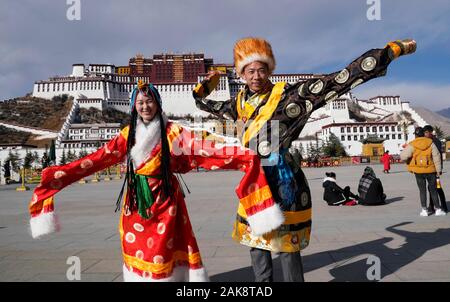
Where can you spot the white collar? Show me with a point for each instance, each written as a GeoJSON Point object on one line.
{"type": "Point", "coordinates": [146, 139]}
{"type": "Point", "coordinates": [329, 179]}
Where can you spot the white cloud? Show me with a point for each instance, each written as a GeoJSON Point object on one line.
{"type": "Point", "coordinates": [306, 35]}
{"type": "Point", "coordinates": [420, 94]}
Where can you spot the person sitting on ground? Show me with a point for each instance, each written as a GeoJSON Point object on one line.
{"type": "Point", "coordinates": [370, 189]}
{"type": "Point", "coordinates": [335, 195]}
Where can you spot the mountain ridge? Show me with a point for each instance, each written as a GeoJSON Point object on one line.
{"type": "Point", "coordinates": [434, 119]}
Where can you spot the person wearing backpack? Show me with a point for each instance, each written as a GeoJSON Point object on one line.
{"type": "Point", "coordinates": [424, 160]}
{"type": "Point", "coordinates": [428, 131]}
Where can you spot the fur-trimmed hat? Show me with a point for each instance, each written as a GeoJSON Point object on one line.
{"type": "Point", "coordinates": [249, 50]}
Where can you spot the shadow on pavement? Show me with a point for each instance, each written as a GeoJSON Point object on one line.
{"type": "Point", "coordinates": [397, 172]}
{"type": "Point", "coordinates": [394, 199]}
{"type": "Point", "coordinates": [347, 269]}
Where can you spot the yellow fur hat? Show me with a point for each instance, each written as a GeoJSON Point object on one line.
{"type": "Point", "coordinates": [249, 50]}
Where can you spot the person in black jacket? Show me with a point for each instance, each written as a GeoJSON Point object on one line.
{"type": "Point", "coordinates": [335, 195]}
{"type": "Point", "coordinates": [7, 171]}
{"type": "Point", "coordinates": [428, 131]}
{"type": "Point", "coordinates": [370, 189]}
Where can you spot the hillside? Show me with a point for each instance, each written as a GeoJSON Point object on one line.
{"type": "Point", "coordinates": [11, 136]}
{"type": "Point", "coordinates": [94, 116]}
{"type": "Point", "coordinates": [444, 112]}
{"type": "Point", "coordinates": [36, 112]}
{"type": "Point", "coordinates": [434, 118]}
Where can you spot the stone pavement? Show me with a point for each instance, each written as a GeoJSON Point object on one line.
{"type": "Point", "coordinates": [410, 248]}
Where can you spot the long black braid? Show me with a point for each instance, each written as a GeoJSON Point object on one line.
{"type": "Point", "coordinates": [165, 150]}
{"type": "Point", "coordinates": [129, 176]}
{"type": "Point", "coordinates": [165, 160]}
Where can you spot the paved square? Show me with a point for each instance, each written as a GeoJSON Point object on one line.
{"type": "Point", "coordinates": [409, 247]}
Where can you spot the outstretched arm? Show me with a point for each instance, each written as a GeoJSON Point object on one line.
{"type": "Point", "coordinates": [371, 64]}
{"type": "Point", "coordinates": [302, 98]}
{"type": "Point", "coordinates": [191, 151]}
{"type": "Point", "coordinates": [55, 178]}
{"type": "Point", "coordinates": [223, 110]}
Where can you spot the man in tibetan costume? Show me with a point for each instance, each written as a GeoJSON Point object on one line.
{"type": "Point", "coordinates": [282, 110]}
{"type": "Point", "coordinates": [157, 239]}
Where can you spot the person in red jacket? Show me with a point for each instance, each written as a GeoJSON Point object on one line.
{"type": "Point", "coordinates": [386, 160]}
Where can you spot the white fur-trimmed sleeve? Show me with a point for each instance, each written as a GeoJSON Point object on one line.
{"type": "Point", "coordinates": [44, 224]}
{"type": "Point", "coordinates": [266, 220]}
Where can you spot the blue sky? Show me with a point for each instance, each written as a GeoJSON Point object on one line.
{"type": "Point", "coordinates": [38, 41]}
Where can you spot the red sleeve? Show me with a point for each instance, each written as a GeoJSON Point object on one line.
{"type": "Point", "coordinates": [192, 150]}
{"type": "Point", "coordinates": [55, 178]}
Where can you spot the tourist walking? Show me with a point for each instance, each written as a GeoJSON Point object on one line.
{"type": "Point", "coordinates": [424, 161]}
{"type": "Point", "coordinates": [428, 131]}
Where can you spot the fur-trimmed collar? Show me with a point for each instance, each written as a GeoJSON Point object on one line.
{"type": "Point", "coordinates": [329, 179]}
{"type": "Point", "coordinates": [147, 137]}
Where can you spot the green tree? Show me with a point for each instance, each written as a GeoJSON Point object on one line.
{"type": "Point", "coordinates": [313, 151]}
{"type": "Point", "coordinates": [28, 160]}
{"type": "Point", "coordinates": [82, 153]}
{"type": "Point", "coordinates": [71, 156]}
{"type": "Point", "coordinates": [45, 160]}
{"type": "Point", "coordinates": [296, 153]}
{"type": "Point", "coordinates": [439, 132]}
{"type": "Point", "coordinates": [334, 147]}
{"type": "Point", "coordinates": [14, 160]}
{"type": "Point", "coordinates": [301, 150]}
{"type": "Point", "coordinates": [309, 152]}
{"type": "Point", "coordinates": [63, 159]}
{"type": "Point", "coordinates": [36, 159]}
{"type": "Point", "coordinates": [52, 153]}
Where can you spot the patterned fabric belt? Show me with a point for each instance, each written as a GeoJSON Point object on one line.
{"type": "Point", "coordinates": [284, 227]}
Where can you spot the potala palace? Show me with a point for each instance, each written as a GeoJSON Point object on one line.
{"type": "Point", "coordinates": [175, 76]}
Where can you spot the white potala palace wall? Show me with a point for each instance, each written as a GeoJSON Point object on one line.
{"type": "Point", "coordinates": [98, 86]}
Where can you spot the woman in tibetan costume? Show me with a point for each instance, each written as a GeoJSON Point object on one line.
{"type": "Point", "coordinates": [157, 239]}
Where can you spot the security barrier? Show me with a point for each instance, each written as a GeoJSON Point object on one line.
{"type": "Point", "coordinates": [33, 176]}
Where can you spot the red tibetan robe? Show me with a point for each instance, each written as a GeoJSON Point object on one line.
{"type": "Point", "coordinates": [162, 247]}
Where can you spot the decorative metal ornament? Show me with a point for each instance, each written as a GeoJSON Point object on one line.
{"type": "Point", "coordinates": [300, 91]}
{"type": "Point", "coordinates": [304, 199]}
{"type": "Point", "coordinates": [293, 110]}
{"type": "Point", "coordinates": [331, 96]}
{"type": "Point", "coordinates": [356, 83]}
{"type": "Point", "coordinates": [316, 87]}
{"type": "Point", "coordinates": [264, 148]}
{"type": "Point", "coordinates": [282, 128]}
{"type": "Point", "coordinates": [309, 106]}
{"type": "Point", "coordinates": [282, 191]}
{"type": "Point", "coordinates": [217, 105]}
{"type": "Point", "coordinates": [368, 64]}
{"type": "Point", "coordinates": [342, 77]}
{"type": "Point", "coordinates": [228, 116]}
